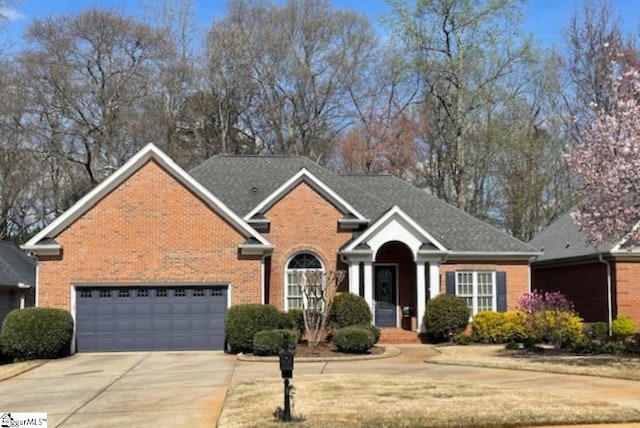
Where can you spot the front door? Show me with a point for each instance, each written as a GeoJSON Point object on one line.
{"type": "Point", "coordinates": [385, 296]}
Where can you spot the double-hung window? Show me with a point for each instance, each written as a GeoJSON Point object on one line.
{"type": "Point", "coordinates": [478, 288]}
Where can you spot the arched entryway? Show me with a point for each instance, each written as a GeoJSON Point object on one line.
{"type": "Point", "coordinates": [394, 286]}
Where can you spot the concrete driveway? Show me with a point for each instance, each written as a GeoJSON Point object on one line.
{"type": "Point", "coordinates": [124, 389]}
{"type": "Point", "coordinates": [188, 388]}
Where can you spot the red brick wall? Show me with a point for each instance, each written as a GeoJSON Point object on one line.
{"type": "Point", "coordinates": [303, 221]}
{"type": "Point", "coordinates": [151, 229]}
{"type": "Point", "coordinates": [584, 284]}
{"type": "Point", "coordinates": [627, 290]}
{"type": "Point", "coordinates": [517, 274]}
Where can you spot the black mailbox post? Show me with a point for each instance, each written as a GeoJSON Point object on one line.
{"type": "Point", "coordinates": [286, 369]}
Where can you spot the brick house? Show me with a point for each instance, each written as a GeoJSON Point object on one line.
{"type": "Point", "coordinates": [152, 257]}
{"type": "Point", "coordinates": [603, 281]}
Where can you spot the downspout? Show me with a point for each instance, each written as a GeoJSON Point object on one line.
{"type": "Point", "coordinates": [609, 304]}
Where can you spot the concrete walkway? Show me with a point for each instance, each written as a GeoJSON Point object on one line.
{"type": "Point", "coordinates": [188, 388]}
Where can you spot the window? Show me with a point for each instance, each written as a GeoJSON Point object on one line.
{"type": "Point", "coordinates": [478, 289]}
{"type": "Point", "coordinates": [301, 270]}
{"type": "Point", "coordinates": [85, 294]}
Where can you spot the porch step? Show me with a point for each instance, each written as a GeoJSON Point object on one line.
{"type": "Point", "coordinates": [398, 336]}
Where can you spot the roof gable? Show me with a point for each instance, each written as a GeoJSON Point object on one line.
{"type": "Point", "coordinates": [42, 241]}
{"type": "Point", "coordinates": [395, 224]}
{"type": "Point", "coordinates": [305, 176]}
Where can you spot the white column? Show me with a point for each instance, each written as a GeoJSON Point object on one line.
{"type": "Point", "coordinates": [434, 278]}
{"type": "Point", "coordinates": [368, 285]}
{"type": "Point", "coordinates": [421, 293]}
{"type": "Point", "coordinates": [354, 277]}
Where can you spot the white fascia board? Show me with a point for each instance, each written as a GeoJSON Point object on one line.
{"type": "Point", "coordinates": [395, 211]}
{"type": "Point", "coordinates": [306, 176]}
{"type": "Point", "coordinates": [42, 250]}
{"type": "Point", "coordinates": [466, 255]}
{"type": "Point", "coordinates": [150, 151]}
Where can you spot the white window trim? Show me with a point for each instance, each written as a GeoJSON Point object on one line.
{"type": "Point", "coordinates": [474, 295]}
{"type": "Point", "coordinates": [287, 271]}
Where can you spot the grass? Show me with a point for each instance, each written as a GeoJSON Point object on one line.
{"type": "Point", "coordinates": [376, 401]}
{"type": "Point", "coordinates": [496, 356]}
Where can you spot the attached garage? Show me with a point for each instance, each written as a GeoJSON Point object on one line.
{"type": "Point", "coordinates": [150, 318]}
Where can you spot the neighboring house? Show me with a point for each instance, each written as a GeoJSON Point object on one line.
{"type": "Point", "coordinates": [17, 279]}
{"type": "Point", "coordinates": [602, 281]}
{"type": "Point", "coordinates": [152, 257]}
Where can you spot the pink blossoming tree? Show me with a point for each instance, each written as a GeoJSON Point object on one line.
{"type": "Point", "coordinates": [607, 161]}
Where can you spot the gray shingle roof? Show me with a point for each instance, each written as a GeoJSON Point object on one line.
{"type": "Point", "coordinates": [15, 266]}
{"type": "Point", "coordinates": [563, 239]}
{"type": "Point", "coordinates": [242, 182]}
{"type": "Point", "coordinates": [455, 229]}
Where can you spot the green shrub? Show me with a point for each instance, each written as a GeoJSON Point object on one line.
{"type": "Point", "coordinates": [462, 339]}
{"type": "Point", "coordinates": [622, 326]}
{"type": "Point", "coordinates": [373, 329]}
{"type": "Point", "coordinates": [353, 339]}
{"type": "Point", "coordinates": [513, 346]}
{"type": "Point", "coordinates": [596, 330]}
{"type": "Point", "coordinates": [632, 344]}
{"type": "Point", "coordinates": [349, 309]}
{"type": "Point", "coordinates": [446, 316]}
{"type": "Point", "coordinates": [34, 333]}
{"type": "Point", "coordinates": [558, 327]}
{"type": "Point", "coordinates": [269, 342]}
{"type": "Point", "coordinates": [242, 322]}
{"type": "Point", "coordinates": [498, 327]}
{"type": "Point", "coordinates": [297, 318]}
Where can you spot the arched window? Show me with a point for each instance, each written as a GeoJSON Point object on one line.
{"type": "Point", "coordinates": [303, 270]}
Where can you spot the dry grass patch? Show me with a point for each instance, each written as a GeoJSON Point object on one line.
{"type": "Point", "coordinates": [377, 401]}
{"type": "Point", "coordinates": [496, 356]}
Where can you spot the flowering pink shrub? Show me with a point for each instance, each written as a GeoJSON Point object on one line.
{"type": "Point", "coordinates": [537, 301]}
{"type": "Point", "coordinates": [550, 317]}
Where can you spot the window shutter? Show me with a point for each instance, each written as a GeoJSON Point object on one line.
{"type": "Point", "coordinates": [501, 291]}
{"type": "Point", "coordinates": [451, 283]}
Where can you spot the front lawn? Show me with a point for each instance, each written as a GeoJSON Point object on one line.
{"type": "Point", "coordinates": [377, 401]}
{"type": "Point", "coordinates": [496, 356]}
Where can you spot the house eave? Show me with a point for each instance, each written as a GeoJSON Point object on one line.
{"type": "Point", "coordinates": [43, 250]}
{"type": "Point", "coordinates": [492, 255]}
{"type": "Point", "coordinates": [255, 249]}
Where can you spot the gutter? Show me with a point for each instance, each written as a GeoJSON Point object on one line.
{"type": "Point", "coordinates": [609, 304]}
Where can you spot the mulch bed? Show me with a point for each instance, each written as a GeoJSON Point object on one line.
{"type": "Point", "coordinates": [328, 350]}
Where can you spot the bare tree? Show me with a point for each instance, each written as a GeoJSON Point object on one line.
{"type": "Point", "coordinates": [318, 290]}
{"type": "Point", "coordinates": [87, 77]}
{"type": "Point", "coordinates": [289, 69]}
{"type": "Point", "coordinates": [466, 55]}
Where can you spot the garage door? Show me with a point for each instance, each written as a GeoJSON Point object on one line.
{"type": "Point", "coordinates": [148, 319]}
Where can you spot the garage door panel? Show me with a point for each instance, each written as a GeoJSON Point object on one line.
{"type": "Point", "coordinates": [153, 318]}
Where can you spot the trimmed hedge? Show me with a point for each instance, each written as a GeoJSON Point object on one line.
{"type": "Point", "coordinates": [242, 322]}
{"type": "Point", "coordinates": [269, 342]}
{"type": "Point", "coordinates": [446, 316]}
{"type": "Point", "coordinates": [34, 333]}
{"type": "Point", "coordinates": [498, 327]}
{"type": "Point", "coordinates": [353, 339]}
{"type": "Point", "coordinates": [375, 331]}
{"type": "Point", "coordinates": [349, 309]}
